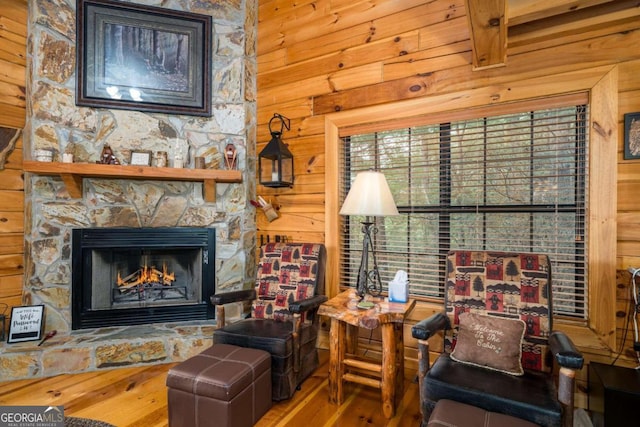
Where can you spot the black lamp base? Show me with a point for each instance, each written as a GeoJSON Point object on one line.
{"type": "Point", "coordinates": [368, 280]}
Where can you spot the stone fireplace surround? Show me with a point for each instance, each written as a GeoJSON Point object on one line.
{"type": "Point", "coordinates": [55, 123]}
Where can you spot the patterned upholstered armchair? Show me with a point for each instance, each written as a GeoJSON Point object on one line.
{"type": "Point", "coordinates": [492, 300]}
{"type": "Point", "coordinates": [289, 289]}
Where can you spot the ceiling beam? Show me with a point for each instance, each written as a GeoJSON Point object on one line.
{"type": "Point", "coordinates": [522, 11]}
{"type": "Point", "coordinates": [580, 21]}
{"type": "Point", "coordinates": [488, 28]}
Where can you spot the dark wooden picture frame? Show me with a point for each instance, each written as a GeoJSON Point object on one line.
{"type": "Point", "coordinates": [26, 323]}
{"type": "Point", "coordinates": [143, 58]}
{"type": "Point", "coordinates": [632, 136]}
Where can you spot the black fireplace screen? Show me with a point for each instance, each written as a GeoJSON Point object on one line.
{"type": "Point", "coordinates": [134, 276]}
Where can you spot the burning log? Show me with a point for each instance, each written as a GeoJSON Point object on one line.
{"type": "Point", "coordinates": [146, 276]}
{"type": "Point", "coordinates": [167, 278]}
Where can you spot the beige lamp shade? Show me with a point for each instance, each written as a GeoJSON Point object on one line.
{"type": "Point", "coordinates": [369, 196]}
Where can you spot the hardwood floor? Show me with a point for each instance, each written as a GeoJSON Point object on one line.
{"type": "Point", "coordinates": [137, 397]}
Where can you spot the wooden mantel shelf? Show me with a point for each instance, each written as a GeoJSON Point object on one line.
{"type": "Point", "coordinates": [72, 174]}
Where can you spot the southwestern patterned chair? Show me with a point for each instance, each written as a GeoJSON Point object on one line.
{"type": "Point", "coordinates": [289, 289]}
{"type": "Point", "coordinates": [499, 344]}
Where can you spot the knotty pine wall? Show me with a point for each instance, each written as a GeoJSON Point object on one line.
{"type": "Point", "coordinates": [13, 47]}
{"type": "Point", "coordinates": [319, 57]}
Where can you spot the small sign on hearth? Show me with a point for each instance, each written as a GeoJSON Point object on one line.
{"type": "Point", "coordinates": [26, 323]}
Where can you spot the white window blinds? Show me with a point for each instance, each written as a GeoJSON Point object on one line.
{"type": "Point", "coordinates": [512, 182]}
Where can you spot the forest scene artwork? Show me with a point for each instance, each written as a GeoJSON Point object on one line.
{"type": "Point", "coordinates": [143, 58]}
{"type": "Point", "coordinates": [146, 58]}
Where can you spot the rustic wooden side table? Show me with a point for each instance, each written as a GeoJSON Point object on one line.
{"type": "Point", "coordinates": [346, 318]}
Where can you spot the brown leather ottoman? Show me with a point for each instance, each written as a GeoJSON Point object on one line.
{"type": "Point", "coordinates": [448, 413]}
{"type": "Point", "coordinates": [223, 386]}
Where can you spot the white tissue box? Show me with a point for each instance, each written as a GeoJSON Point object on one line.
{"type": "Point", "coordinates": [398, 292]}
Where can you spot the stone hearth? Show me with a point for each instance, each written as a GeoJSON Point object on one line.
{"type": "Point", "coordinates": [105, 348]}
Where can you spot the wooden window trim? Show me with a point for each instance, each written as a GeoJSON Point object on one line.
{"type": "Point", "coordinates": [601, 84]}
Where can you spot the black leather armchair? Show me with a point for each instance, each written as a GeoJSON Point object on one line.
{"type": "Point", "coordinates": [533, 396]}
{"type": "Point", "coordinates": [289, 289]}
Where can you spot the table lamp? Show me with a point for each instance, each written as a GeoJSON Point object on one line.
{"type": "Point", "coordinates": [369, 196]}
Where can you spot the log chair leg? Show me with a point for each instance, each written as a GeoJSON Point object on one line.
{"type": "Point", "coordinates": [297, 325]}
{"type": "Point", "coordinates": [423, 368]}
{"type": "Point", "coordinates": [220, 316]}
{"type": "Point", "coordinates": [566, 384]}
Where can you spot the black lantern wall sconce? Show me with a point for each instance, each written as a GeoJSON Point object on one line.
{"type": "Point", "coordinates": [275, 161]}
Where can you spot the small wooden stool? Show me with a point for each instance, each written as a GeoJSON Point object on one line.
{"type": "Point", "coordinates": [224, 386]}
{"type": "Point", "coordinates": [448, 413]}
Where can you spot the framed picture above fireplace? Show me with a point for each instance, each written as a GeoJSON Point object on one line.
{"type": "Point", "coordinates": [145, 58]}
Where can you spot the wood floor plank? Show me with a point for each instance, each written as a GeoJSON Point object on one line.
{"type": "Point", "coordinates": [62, 388]}
{"type": "Point", "coordinates": [156, 418]}
{"type": "Point", "coordinates": [137, 397]}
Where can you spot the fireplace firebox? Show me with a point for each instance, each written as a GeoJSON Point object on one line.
{"type": "Point", "coordinates": [132, 276]}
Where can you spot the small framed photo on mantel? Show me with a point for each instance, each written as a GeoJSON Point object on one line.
{"type": "Point", "coordinates": [632, 136]}
{"type": "Point", "coordinates": [26, 323]}
{"type": "Point", "coordinates": [140, 158]}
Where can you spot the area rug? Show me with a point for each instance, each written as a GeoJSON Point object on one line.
{"type": "Point", "coordinates": [84, 422]}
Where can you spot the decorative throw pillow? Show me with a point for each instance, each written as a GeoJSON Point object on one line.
{"type": "Point", "coordinates": [490, 342]}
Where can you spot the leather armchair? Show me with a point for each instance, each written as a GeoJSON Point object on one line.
{"type": "Point", "coordinates": [533, 396]}
{"type": "Point", "coordinates": [289, 289]}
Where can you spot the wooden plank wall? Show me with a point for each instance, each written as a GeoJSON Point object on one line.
{"type": "Point", "coordinates": [13, 53]}
{"type": "Point", "coordinates": [317, 57]}
{"type": "Point", "coordinates": [320, 56]}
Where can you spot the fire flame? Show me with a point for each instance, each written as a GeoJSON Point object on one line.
{"type": "Point", "coordinates": [147, 275]}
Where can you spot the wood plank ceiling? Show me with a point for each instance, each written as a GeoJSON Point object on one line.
{"type": "Point", "coordinates": [498, 25]}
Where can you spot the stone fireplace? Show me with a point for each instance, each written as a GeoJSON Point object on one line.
{"type": "Point", "coordinates": [131, 276]}
{"type": "Point", "coordinates": [55, 123]}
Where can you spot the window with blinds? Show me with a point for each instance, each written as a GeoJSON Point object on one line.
{"type": "Point", "coordinates": [512, 182]}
